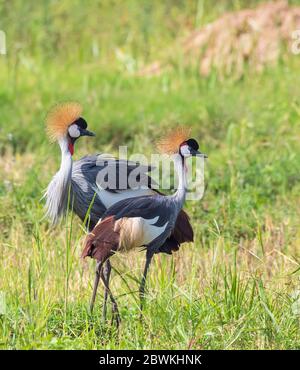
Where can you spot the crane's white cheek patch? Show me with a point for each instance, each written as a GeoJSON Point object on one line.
{"type": "Point", "coordinates": [184, 149]}
{"type": "Point", "coordinates": [74, 131]}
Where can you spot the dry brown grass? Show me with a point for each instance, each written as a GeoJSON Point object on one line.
{"type": "Point", "coordinates": [253, 38]}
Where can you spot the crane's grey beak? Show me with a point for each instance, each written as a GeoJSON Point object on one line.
{"type": "Point", "coordinates": [196, 153]}
{"type": "Point", "coordinates": [84, 132]}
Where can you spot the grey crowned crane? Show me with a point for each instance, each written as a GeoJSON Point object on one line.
{"type": "Point", "coordinates": [65, 126]}
{"type": "Point", "coordinates": [144, 221]}
{"type": "Point", "coordinates": [79, 179]}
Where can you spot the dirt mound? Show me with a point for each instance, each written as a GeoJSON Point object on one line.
{"type": "Point", "coordinates": [250, 37]}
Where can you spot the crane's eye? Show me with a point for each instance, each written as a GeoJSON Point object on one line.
{"type": "Point", "coordinates": [74, 131]}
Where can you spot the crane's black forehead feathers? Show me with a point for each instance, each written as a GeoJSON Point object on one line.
{"type": "Point", "coordinates": [81, 122]}
{"type": "Point", "coordinates": [193, 144]}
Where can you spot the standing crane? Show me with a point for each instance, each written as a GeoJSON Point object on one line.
{"type": "Point", "coordinates": [144, 221]}
{"type": "Point", "coordinates": [78, 179]}
{"type": "Point", "coordinates": [65, 126]}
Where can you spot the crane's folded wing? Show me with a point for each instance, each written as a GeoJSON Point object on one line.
{"type": "Point", "coordinates": [113, 175]}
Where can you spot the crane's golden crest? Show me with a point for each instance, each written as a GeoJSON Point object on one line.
{"type": "Point", "coordinates": [60, 118]}
{"type": "Point", "coordinates": [170, 143]}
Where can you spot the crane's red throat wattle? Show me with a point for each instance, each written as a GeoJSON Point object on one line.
{"type": "Point", "coordinates": [71, 148]}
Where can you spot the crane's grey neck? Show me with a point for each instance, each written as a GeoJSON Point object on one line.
{"type": "Point", "coordinates": [58, 190]}
{"type": "Point", "coordinates": [180, 194]}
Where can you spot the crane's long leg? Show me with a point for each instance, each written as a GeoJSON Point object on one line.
{"type": "Point", "coordinates": [149, 256]}
{"type": "Point", "coordinates": [115, 309]}
{"type": "Point", "coordinates": [105, 275]}
{"type": "Point", "coordinates": [96, 283]}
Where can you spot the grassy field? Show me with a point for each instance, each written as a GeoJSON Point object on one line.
{"type": "Point", "coordinates": [237, 286]}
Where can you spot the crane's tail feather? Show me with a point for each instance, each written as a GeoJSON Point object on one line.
{"type": "Point", "coordinates": [182, 233]}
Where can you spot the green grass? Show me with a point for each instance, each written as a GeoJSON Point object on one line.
{"type": "Point", "coordinates": [237, 286]}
